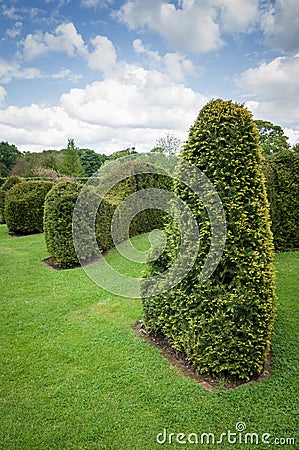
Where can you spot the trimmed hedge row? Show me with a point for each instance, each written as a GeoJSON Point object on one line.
{"type": "Point", "coordinates": [24, 206]}
{"type": "Point", "coordinates": [59, 208]}
{"type": "Point", "coordinates": [224, 325]}
{"type": "Point", "coordinates": [6, 186]}
{"type": "Point", "coordinates": [282, 177]}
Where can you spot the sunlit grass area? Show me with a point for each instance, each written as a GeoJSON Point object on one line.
{"type": "Point", "coordinates": [74, 375]}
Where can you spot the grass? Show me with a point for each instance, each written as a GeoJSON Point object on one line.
{"type": "Point", "coordinates": [73, 375]}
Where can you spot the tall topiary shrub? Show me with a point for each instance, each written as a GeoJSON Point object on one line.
{"type": "Point", "coordinates": [224, 325]}
{"type": "Point", "coordinates": [282, 181]}
{"type": "Point", "coordinates": [6, 186]}
{"type": "Point", "coordinates": [24, 206]}
{"type": "Point", "coordinates": [58, 215]}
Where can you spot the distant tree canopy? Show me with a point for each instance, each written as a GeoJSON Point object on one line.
{"type": "Point", "coordinates": [71, 162]}
{"type": "Point", "coordinates": [271, 137]}
{"type": "Point", "coordinates": [168, 145]}
{"type": "Point", "coordinates": [8, 156]}
{"type": "Point", "coordinates": [90, 160]}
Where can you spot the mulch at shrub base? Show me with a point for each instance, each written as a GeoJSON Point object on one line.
{"type": "Point", "coordinates": [54, 265]}
{"type": "Point", "coordinates": [16, 235]}
{"type": "Point", "coordinates": [177, 359]}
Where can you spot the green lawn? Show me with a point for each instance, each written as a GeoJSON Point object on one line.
{"type": "Point", "coordinates": [73, 375]}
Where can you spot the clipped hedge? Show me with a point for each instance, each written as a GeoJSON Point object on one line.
{"type": "Point", "coordinates": [224, 325]}
{"type": "Point", "coordinates": [58, 213]}
{"type": "Point", "coordinates": [24, 206]}
{"type": "Point", "coordinates": [6, 186]}
{"type": "Point", "coordinates": [59, 208]}
{"type": "Point", "coordinates": [282, 181]}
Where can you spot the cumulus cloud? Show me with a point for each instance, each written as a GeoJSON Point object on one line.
{"type": "Point", "coordinates": [237, 15]}
{"type": "Point", "coordinates": [134, 97]}
{"type": "Point", "coordinates": [192, 27]}
{"type": "Point", "coordinates": [103, 57]}
{"type": "Point", "coordinates": [133, 106]}
{"type": "Point", "coordinates": [188, 29]}
{"type": "Point", "coordinates": [280, 24]}
{"type": "Point", "coordinates": [175, 65]}
{"type": "Point", "coordinates": [273, 89]}
{"type": "Point", "coordinates": [66, 39]}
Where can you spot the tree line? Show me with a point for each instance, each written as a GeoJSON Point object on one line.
{"type": "Point", "coordinates": [70, 161]}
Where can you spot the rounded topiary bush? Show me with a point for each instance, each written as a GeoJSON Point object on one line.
{"type": "Point", "coordinates": [224, 325]}
{"type": "Point", "coordinates": [24, 206]}
{"type": "Point", "coordinates": [6, 186]}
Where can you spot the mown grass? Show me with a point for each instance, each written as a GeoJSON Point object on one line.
{"type": "Point", "coordinates": [74, 375]}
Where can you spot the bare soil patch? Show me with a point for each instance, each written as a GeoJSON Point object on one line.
{"type": "Point", "coordinates": [178, 360]}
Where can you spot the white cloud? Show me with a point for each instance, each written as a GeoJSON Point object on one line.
{"type": "Point", "coordinates": [10, 71]}
{"type": "Point", "coordinates": [191, 26]}
{"type": "Point", "coordinates": [103, 56]}
{"type": "Point", "coordinates": [293, 136]}
{"type": "Point", "coordinates": [66, 39]}
{"type": "Point", "coordinates": [280, 24]}
{"type": "Point", "coordinates": [175, 65]}
{"type": "Point", "coordinates": [2, 94]}
{"type": "Point", "coordinates": [134, 97]}
{"type": "Point", "coordinates": [273, 89]}
{"type": "Point", "coordinates": [10, 13]}
{"type": "Point", "coordinates": [133, 107]}
{"type": "Point", "coordinates": [237, 15]}
{"type": "Point", "coordinates": [94, 3]}
{"type": "Point", "coordinates": [65, 74]}
{"type": "Point", "coordinates": [15, 31]}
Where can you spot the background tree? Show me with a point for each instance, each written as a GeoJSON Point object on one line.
{"type": "Point", "coordinates": [3, 170]}
{"type": "Point", "coordinates": [71, 162]}
{"type": "Point", "coordinates": [90, 160]}
{"type": "Point", "coordinates": [168, 145]}
{"type": "Point", "coordinates": [8, 155]}
{"type": "Point", "coordinates": [271, 137]}
{"type": "Point", "coordinates": [21, 168]}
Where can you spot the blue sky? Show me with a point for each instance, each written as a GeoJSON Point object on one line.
{"type": "Point", "coordinates": [113, 74]}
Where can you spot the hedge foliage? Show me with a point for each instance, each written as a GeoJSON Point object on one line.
{"type": "Point", "coordinates": [224, 325]}
{"type": "Point", "coordinates": [24, 206]}
{"type": "Point", "coordinates": [59, 208]}
{"type": "Point", "coordinates": [6, 186]}
{"type": "Point", "coordinates": [282, 176]}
